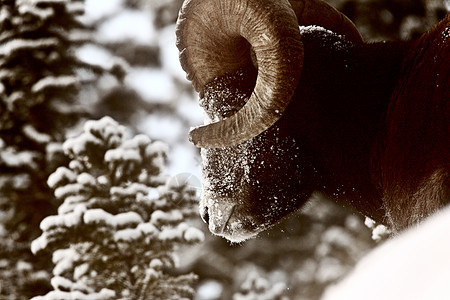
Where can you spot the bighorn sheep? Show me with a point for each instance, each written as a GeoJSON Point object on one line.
{"type": "Point", "coordinates": [291, 111]}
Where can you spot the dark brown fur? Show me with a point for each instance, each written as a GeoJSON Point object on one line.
{"type": "Point", "coordinates": [415, 160]}
{"type": "Point", "coordinates": [368, 126]}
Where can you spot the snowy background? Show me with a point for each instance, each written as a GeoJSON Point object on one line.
{"type": "Point", "coordinates": [298, 258]}
{"type": "Point", "coordinates": [147, 33]}
{"type": "Point", "coordinates": [304, 257]}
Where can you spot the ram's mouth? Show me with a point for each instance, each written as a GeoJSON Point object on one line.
{"type": "Point", "coordinates": [227, 220]}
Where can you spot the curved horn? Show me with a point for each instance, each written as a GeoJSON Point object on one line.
{"type": "Point", "coordinates": [214, 38]}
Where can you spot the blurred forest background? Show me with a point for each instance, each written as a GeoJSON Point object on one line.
{"type": "Point", "coordinates": [65, 62]}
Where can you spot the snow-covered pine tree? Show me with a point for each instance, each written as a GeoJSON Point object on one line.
{"type": "Point", "coordinates": [120, 222]}
{"type": "Point", "coordinates": [39, 85]}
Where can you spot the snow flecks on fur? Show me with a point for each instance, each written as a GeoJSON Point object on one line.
{"type": "Point", "coordinates": [314, 28]}
{"type": "Point", "coordinates": [224, 96]}
{"type": "Point", "coordinates": [227, 178]}
{"type": "Point", "coordinates": [232, 175]}
{"type": "Point", "coordinates": [340, 43]}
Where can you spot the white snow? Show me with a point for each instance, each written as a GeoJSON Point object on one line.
{"type": "Point", "coordinates": [75, 8]}
{"type": "Point", "coordinates": [157, 147]}
{"type": "Point", "coordinates": [31, 132]}
{"type": "Point", "coordinates": [412, 266]}
{"type": "Point", "coordinates": [26, 7]}
{"type": "Point", "coordinates": [148, 229]}
{"type": "Point", "coordinates": [61, 283]}
{"type": "Point", "coordinates": [53, 295]}
{"type": "Point", "coordinates": [54, 82]}
{"type": "Point", "coordinates": [256, 287]}
{"type": "Point", "coordinates": [156, 264]}
{"type": "Point", "coordinates": [151, 274]}
{"type": "Point", "coordinates": [63, 260]}
{"type": "Point", "coordinates": [152, 195]}
{"type": "Point", "coordinates": [159, 151]}
{"type": "Point", "coordinates": [121, 154]}
{"type": "Point", "coordinates": [68, 189]}
{"type": "Point", "coordinates": [153, 85]}
{"type": "Point", "coordinates": [39, 244]}
{"type": "Point", "coordinates": [369, 222]}
{"type": "Point", "coordinates": [138, 141]}
{"type": "Point", "coordinates": [68, 220]}
{"type": "Point", "coordinates": [108, 127]}
{"type": "Point", "coordinates": [80, 271]}
{"type": "Point", "coordinates": [184, 159]}
{"type": "Point", "coordinates": [82, 287]}
{"type": "Point", "coordinates": [22, 266]}
{"type": "Point", "coordinates": [99, 9]}
{"type": "Point", "coordinates": [127, 219]}
{"type": "Point", "coordinates": [74, 218]}
{"type": "Point", "coordinates": [76, 146]}
{"type": "Point", "coordinates": [194, 235]}
{"type": "Point", "coordinates": [160, 217]}
{"type": "Point", "coordinates": [70, 202]}
{"type": "Point", "coordinates": [95, 55]}
{"type": "Point", "coordinates": [169, 54]}
{"type": "Point", "coordinates": [62, 254]}
{"type": "Point", "coordinates": [165, 85]}
{"type": "Point", "coordinates": [164, 127]}
{"type": "Point", "coordinates": [127, 235]}
{"type": "Point", "coordinates": [314, 28]}
{"type": "Point", "coordinates": [19, 44]}
{"type": "Point", "coordinates": [188, 108]}
{"type": "Point", "coordinates": [173, 233]}
{"type": "Point", "coordinates": [103, 180]}
{"type": "Point", "coordinates": [97, 216]}
{"type": "Point", "coordinates": [129, 25]}
{"type": "Point", "coordinates": [104, 294]}
{"type": "Point", "coordinates": [329, 269]}
{"type": "Point", "coordinates": [209, 289]}
{"type": "Point", "coordinates": [13, 158]}
{"type": "Point", "coordinates": [86, 179]}
{"type": "Point", "coordinates": [132, 190]}
{"type": "Point", "coordinates": [379, 231]}
{"type": "Point", "coordinates": [337, 236]}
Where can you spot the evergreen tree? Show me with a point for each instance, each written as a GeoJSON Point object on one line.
{"type": "Point", "coordinates": [120, 221]}
{"type": "Point", "coordinates": [39, 85]}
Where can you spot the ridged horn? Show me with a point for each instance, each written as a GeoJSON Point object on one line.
{"type": "Point", "coordinates": [214, 38]}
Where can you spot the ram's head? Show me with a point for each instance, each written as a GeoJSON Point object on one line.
{"type": "Point", "coordinates": [245, 57]}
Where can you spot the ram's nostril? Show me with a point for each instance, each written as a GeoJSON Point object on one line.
{"type": "Point", "coordinates": [205, 215]}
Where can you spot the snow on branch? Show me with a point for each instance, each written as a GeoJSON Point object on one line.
{"type": "Point", "coordinates": [40, 81]}
{"type": "Point", "coordinates": [25, 44]}
{"type": "Point", "coordinates": [112, 221]}
{"type": "Point", "coordinates": [54, 82]}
